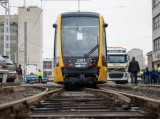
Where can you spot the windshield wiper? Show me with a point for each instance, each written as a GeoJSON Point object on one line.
{"type": "Point", "coordinates": [91, 51]}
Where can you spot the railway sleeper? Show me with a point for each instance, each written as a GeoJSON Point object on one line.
{"type": "Point", "coordinates": [83, 105]}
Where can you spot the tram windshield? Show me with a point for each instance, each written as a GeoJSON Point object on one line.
{"type": "Point", "coordinates": [79, 36]}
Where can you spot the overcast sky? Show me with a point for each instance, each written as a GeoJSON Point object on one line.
{"type": "Point", "coordinates": [130, 21]}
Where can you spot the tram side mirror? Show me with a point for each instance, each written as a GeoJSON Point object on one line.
{"type": "Point", "coordinates": [105, 25]}
{"type": "Point", "coordinates": [54, 25]}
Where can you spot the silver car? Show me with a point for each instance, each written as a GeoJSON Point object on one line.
{"type": "Point", "coordinates": [4, 71]}
{"type": "Point", "coordinates": [12, 69]}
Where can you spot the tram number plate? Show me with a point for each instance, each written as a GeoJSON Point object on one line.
{"type": "Point", "coordinates": [81, 60]}
{"type": "Point", "coordinates": [81, 63]}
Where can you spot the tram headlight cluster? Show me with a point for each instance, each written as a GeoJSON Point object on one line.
{"type": "Point", "coordinates": [68, 63]}
{"type": "Point", "coordinates": [93, 63]}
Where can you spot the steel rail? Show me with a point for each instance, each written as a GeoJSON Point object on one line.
{"type": "Point", "coordinates": [9, 84]}
{"type": "Point", "coordinates": [88, 103]}
{"type": "Point", "coordinates": [151, 105]}
{"type": "Point", "coordinates": [27, 100]}
{"type": "Point", "coordinates": [115, 95]}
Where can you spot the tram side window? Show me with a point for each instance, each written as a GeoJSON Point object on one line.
{"type": "Point", "coordinates": [56, 54]}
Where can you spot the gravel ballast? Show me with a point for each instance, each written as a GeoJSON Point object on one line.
{"type": "Point", "coordinates": [16, 93]}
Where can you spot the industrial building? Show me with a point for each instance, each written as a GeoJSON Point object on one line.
{"type": "Point", "coordinates": [138, 54]}
{"type": "Point", "coordinates": [26, 39]}
{"type": "Point", "coordinates": [13, 37]}
{"type": "Point", "coordinates": [156, 32]}
{"type": "Point", "coordinates": [150, 61]}
{"type": "Point", "coordinates": [30, 38]}
{"type": "Point", "coordinates": [47, 67]}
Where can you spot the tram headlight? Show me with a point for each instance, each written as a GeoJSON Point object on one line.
{"type": "Point", "coordinates": [90, 64]}
{"type": "Point", "coordinates": [93, 63]}
{"type": "Point", "coordinates": [66, 60]}
{"type": "Point", "coordinates": [69, 60]}
{"type": "Point", "coordinates": [68, 63]}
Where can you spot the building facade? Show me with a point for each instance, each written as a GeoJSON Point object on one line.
{"type": "Point", "coordinates": [13, 37]}
{"type": "Point", "coordinates": [150, 64]}
{"type": "Point", "coordinates": [156, 32]}
{"type": "Point", "coordinates": [30, 39]}
{"type": "Point", "coordinates": [138, 54]}
{"type": "Point", "coordinates": [47, 67]}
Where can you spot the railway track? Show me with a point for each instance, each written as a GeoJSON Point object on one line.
{"type": "Point", "coordinates": [2, 85]}
{"type": "Point", "coordinates": [88, 103]}
{"type": "Point", "coordinates": [148, 91]}
{"type": "Point", "coordinates": [82, 104]}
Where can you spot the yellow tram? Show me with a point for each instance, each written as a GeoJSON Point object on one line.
{"type": "Point", "coordinates": [80, 55]}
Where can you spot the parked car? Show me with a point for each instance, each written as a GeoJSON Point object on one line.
{"type": "Point", "coordinates": [4, 71]}
{"type": "Point", "coordinates": [12, 69]}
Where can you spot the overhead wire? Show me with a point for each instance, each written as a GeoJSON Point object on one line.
{"type": "Point", "coordinates": [32, 30]}
{"type": "Point", "coordinates": [28, 37]}
{"type": "Point", "coordinates": [35, 25]}
{"type": "Point", "coordinates": [115, 7]}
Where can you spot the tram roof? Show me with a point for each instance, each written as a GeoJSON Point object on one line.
{"type": "Point", "coordinates": [83, 14]}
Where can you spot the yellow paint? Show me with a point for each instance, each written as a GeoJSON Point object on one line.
{"type": "Point", "coordinates": [60, 42]}
{"type": "Point", "coordinates": [103, 69]}
{"type": "Point", "coordinates": [58, 75]}
{"type": "Point", "coordinates": [100, 41]}
{"type": "Point", "coordinates": [103, 74]}
{"type": "Point", "coordinates": [57, 70]}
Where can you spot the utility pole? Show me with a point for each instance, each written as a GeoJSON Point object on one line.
{"type": "Point", "coordinates": [25, 48]}
{"type": "Point", "coordinates": [6, 49]}
{"type": "Point", "coordinates": [78, 6]}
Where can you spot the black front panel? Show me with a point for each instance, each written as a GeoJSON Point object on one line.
{"type": "Point", "coordinates": [91, 71]}
{"type": "Point", "coordinates": [80, 63]}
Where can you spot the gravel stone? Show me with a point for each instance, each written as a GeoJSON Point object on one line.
{"type": "Point", "coordinates": [10, 94]}
{"type": "Point", "coordinates": [148, 91]}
